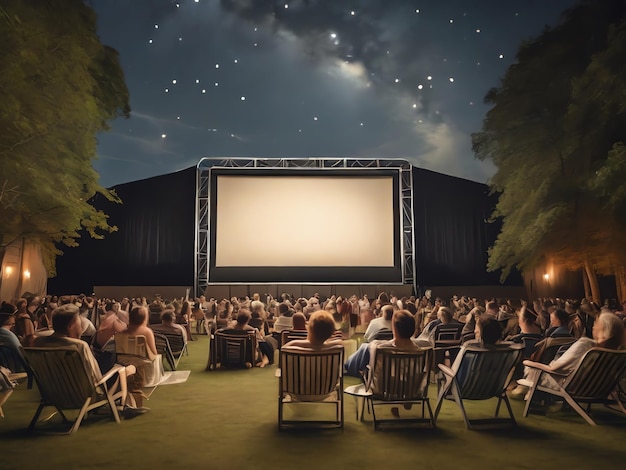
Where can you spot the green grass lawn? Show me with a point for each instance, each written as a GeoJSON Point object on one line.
{"type": "Point", "coordinates": [228, 419]}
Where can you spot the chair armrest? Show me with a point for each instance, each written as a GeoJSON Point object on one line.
{"type": "Point", "coordinates": [446, 370]}
{"type": "Point", "coordinates": [542, 367]}
{"type": "Point", "coordinates": [114, 370]}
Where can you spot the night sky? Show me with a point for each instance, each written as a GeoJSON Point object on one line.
{"type": "Point", "coordinates": [298, 78]}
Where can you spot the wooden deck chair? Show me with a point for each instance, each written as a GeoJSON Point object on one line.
{"type": "Point", "coordinates": [65, 382]}
{"type": "Point", "coordinates": [133, 349]}
{"type": "Point", "coordinates": [310, 377]}
{"type": "Point", "coordinates": [594, 380]}
{"type": "Point", "coordinates": [12, 359]}
{"type": "Point", "coordinates": [233, 349]}
{"type": "Point", "coordinates": [481, 374]}
{"type": "Point", "coordinates": [398, 378]}
{"type": "Point", "coordinates": [164, 349]}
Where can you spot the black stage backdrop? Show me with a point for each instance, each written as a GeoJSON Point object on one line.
{"type": "Point", "coordinates": [154, 245]}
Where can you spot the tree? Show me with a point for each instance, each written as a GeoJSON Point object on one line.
{"type": "Point", "coordinates": [551, 133]}
{"type": "Point", "coordinates": [59, 86]}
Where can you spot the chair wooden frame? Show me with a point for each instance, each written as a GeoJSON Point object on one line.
{"type": "Point", "coordinates": [595, 379]}
{"type": "Point", "coordinates": [481, 374]}
{"type": "Point", "coordinates": [65, 382]}
{"type": "Point", "coordinates": [403, 379]}
{"type": "Point", "coordinates": [310, 376]}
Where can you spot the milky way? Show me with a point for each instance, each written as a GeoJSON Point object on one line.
{"type": "Point", "coordinates": [378, 78]}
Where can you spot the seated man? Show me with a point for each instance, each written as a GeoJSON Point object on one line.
{"type": "Point", "coordinates": [67, 330]}
{"type": "Point", "coordinates": [321, 328]}
{"type": "Point", "coordinates": [403, 327]}
{"type": "Point", "coordinates": [383, 322]}
{"type": "Point", "coordinates": [427, 336]}
{"type": "Point", "coordinates": [169, 326]}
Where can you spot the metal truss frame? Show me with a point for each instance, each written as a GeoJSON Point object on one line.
{"type": "Point", "coordinates": [202, 230]}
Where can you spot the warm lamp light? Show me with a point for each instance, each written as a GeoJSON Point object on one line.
{"type": "Point", "coordinates": [546, 277]}
{"type": "Point", "coordinates": [27, 274]}
{"type": "Point", "coordinates": [8, 270]}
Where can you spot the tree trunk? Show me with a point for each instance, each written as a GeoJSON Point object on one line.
{"type": "Point", "coordinates": [3, 250]}
{"type": "Point", "coordinates": [586, 284]}
{"type": "Point", "coordinates": [620, 282]}
{"type": "Point", "coordinates": [593, 282]}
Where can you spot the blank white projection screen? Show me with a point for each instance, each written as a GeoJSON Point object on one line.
{"type": "Point", "coordinates": [304, 221]}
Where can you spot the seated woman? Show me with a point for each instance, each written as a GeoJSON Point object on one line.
{"type": "Point", "coordinates": [608, 332]}
{"type": "Point", "coordinates": [559, 324]}
{"type": "Point", "coordinates": [138, 325]}
{"type": "Point", "coordinates": [320, 328]}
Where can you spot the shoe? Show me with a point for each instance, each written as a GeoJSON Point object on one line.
{"type": "Point", "coordinates": [129, 412]}
{"type": "Point", "coordinates": [519, 392]}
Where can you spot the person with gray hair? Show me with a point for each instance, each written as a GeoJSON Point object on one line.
{"type": "Point", "coordinates": [377, 324]}
{"type": "Point", "coordinates": [608, 332]}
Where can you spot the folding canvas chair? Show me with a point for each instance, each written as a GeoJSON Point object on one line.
{"type": "Point", "coordinates": [595, 379]}
{"type": "Point", "coordinates": [178, 344]}
{"type": "Point", "coordinates": [133, 349]}
{"type": "Point", "coordinates": [233, 349]}
{"type": "Point", "coordinates": [12, 359]}
{"type": "Point", "coordinates": [398, 378]}
{"type": "Point", "coordinates": [65, 381]}
{"type": "Point", "coordinates": [309, 377]}
{"type": "Point", "coordinates": [165, 350]}
{"type": "Point", "coordinates": [480, 374]}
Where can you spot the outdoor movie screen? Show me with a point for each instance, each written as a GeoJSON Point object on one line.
{"type": "Point", "coordinates": [304, 225]}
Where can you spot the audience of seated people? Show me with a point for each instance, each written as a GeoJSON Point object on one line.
{"type": "Point", "coordinates": [550, 317]}
{"type": "Point", "coordinates": [265, 353]}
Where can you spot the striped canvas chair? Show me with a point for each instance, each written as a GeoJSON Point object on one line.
{"type": "Point", "coordinates": [596, 378]}
{"type": "Point", "coordinates": [310, 377]}
{"type": "Point", "coordinates": [481, 374]}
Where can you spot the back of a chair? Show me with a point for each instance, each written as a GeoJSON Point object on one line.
{"type": "Point", "coordinates": [290, 335]}
{"type": "Point", "coordinates": [311, 374]}
{"type": "Point", "coordinates": [400, 375]}
{"type": "Point", "coordinates": [235, 349]}
{"type": "Point", "coordinates": [597, 375]}
{"type": "Point", "coordinates": [485, 373]}
{"type": "Point", "coordinates": [132, 345]}
{"type": "Point", "coordinates": [449, 332]}
{"type": "Point", "coordinates": [12, 359]}
{"type": "Point", "coordinates": [163, 347]}
{"type": "Point", "coordinates": [383, 334]}
{"type": "Point", "coordinates": [177, 343]}
{"type": "Point", "coordinates": [62, 376]}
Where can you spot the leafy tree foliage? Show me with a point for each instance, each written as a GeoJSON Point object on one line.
{"type": "Point", "coordinates": [59, 86]}
{"type": "Point", "coordinates": [555, 133]}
